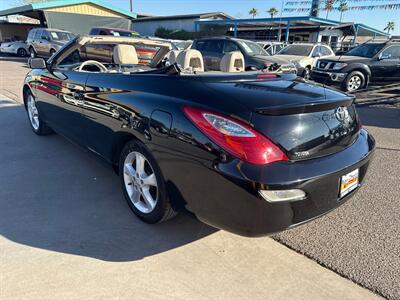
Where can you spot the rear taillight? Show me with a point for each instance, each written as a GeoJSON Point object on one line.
{"type": "Point", "coordinates": [235, 137]}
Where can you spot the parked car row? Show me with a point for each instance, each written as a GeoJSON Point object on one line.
{"type": "Point", "coordinates": [372, 62]}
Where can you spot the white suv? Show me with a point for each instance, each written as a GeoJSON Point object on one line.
{"type": "Point", "coordinates": [304, 56]}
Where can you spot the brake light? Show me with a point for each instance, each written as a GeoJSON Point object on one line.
{"type": "Point", "coordinates": [235, 137]}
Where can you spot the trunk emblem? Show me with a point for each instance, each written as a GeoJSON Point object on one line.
{"type": "Point", "coordinates": [343, 116]}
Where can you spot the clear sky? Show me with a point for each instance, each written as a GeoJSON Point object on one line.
{"type": "Point", "coordinates": [240, 8]}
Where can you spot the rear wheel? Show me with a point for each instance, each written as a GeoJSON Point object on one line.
{"type": "Point", "coordinates": [354, 81]}
{"type": "Point", "coordinates": [37, 124]}
{"type": "Point", "coordinates": [143, 184]}
{"type": "Point", "coordinates": [21, 52]}
{"type": "Point", "coordinates": [32, 52]}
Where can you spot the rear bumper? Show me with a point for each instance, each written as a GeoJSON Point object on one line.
{"type": "Point", "coordinates": [331, 78]}
{"type": "Point", "coordinates": [237, 207]}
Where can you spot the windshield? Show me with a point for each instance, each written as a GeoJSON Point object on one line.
{"type": "Point", "coordinates": [182, 45]}
{"type": "Point", "coordinates": [125, 33]}
{"type": "Point", "coordinates": [299, 50]}
{"type": "Point", "coordinates": [61, 36]}
{"type": "Point", "coordinates": [252, 48]}
{"type": "Point", "coordinates": [366, 50]}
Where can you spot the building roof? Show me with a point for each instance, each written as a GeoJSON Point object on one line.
{"type": "Point", "coordinates": [189, 16]}
{"type": "Point", "coordinates": [361, 29]}
{"type": "Point", "coordinates": [29, 8]}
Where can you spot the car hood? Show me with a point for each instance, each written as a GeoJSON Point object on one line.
{"type": "Point", "coordinates": [8, 44]}
{"type": "Point", "coordinates": [346, 58]}
{"type": "Point", "coordinates": [272, 59]}
{"type": "Point", "coordinates": [290, 57]}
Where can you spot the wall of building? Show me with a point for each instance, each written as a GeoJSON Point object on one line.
{"type": "Point", "coordinates": [9, 30]}
{"type": "Point", "coordinates": [86, 9]}
{"type": "Point", "coordinates": [150, 27]}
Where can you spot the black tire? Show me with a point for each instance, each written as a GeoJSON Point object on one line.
{"type": "Point", "coordinates": [41, 128]}
{"type": "Point", "coordinates": [306, 73]}
{"type": "Point", "coordinates": [52, 51]}
{"type": "Point", "coordinates": [162, 210]}
{"type": "Point", "coordinates": [32, 52]}
{"type": "Point", "coordinates": [22, 52]}
{"type": "Point", "coordinates": [354, 81]}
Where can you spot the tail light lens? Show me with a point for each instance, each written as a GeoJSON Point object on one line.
{"type": "Point", "coordinates": [235, 137]}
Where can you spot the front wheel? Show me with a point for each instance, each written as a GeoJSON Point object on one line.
{"type": "Point", "coordinates": [143, 184]}
{"type": "Point", "coordinates": [37, 124]}
{"type": "Point", "coordinates": [354, 82]}
{"type": "Point", "coordinates": [52, 51]}
{"type": "Point", "coordinates": [21, 52]}
{"type": "Point", "coordinates": [32, 52]}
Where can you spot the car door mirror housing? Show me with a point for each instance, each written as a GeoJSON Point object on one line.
{"type": "Point", "coordinates": [37, 63]}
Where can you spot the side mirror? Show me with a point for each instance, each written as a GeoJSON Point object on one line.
{"type": "Point", "coordinates": [385, 56]}
{"type": "Point", "coordinates": [37, 63]}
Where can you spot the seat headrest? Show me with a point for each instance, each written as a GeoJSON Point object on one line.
{"type": "Point", "coordinates": [232, 62]}
{"type": "Point", "coordinates": [191, 58]}
{"type": "Point", "coordinates": [125, 55]}
{"type": "Point", "coordinates": [173, 55]}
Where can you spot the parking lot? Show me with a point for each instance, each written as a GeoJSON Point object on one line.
{"type": "Point", "coordinates": [65, 229]}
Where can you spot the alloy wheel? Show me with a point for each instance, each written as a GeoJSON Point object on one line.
{"type": "Point", "coordinates": [32, 53]}
{"type": "Point", "coordinates": [33, 112]}
{"type": "Point", "coordinates": [354, 83]}
{"type": "Point", "coordinates": [140, 182]}
{"type": "Point", "coordinates": [21, 52]}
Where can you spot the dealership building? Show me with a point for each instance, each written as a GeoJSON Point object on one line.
{"type": "Point", "coordinates": [72, 15]}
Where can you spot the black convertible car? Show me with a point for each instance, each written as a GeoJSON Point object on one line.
{"type": "Point", "coordinates": [250, 152]}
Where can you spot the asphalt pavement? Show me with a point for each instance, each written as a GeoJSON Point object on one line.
{"type": "Point", "coordinates": [361, 239]}
{"type": "Point", "coordinates": [66, 232]}
{"type": "Point", "coordinates": [65, 229]}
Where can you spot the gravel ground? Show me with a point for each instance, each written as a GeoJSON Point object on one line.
{"type": "Point", "coordinates": [361, 239]}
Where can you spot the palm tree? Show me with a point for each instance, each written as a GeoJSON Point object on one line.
{"type": "Point", "coordinates": [253, 12]}
{"type": "Point", "coordinates": [329, 6]}
{"type": "Point", "coordinates": [272, 12]}
{"type": "Point", "coordinates": [389, 27]}
{"type": "Point", "coordinates": [343, 7]}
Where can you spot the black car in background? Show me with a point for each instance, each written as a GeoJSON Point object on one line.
{"type": "Point", "coordinates": [250, 152]}
{"type": "Point", "coordinates": [256, 58]}
{"type": "Point", "coordinates": [372, 62]}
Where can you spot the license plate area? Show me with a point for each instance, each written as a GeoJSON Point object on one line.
{"type": "Point", "coordinates": [349, 183]}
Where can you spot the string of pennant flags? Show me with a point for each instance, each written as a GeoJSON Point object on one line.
{"type": "Point", "coordinates": [309, 2]}
{"type": "Point", "coordinates": [390, 6]}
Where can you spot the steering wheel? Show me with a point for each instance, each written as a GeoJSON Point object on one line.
{"type": "Point", "coordinates": [102, 67]}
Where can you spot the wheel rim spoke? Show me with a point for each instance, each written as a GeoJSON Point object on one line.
{"type": "Point", "coordinates": [150, 180]}
{"type": "Point", "coordinates": [140, 160]}
{"type": "Point", "coordinates": [148, 199]}
{"type": "Point", "coordinates": [129, 170]}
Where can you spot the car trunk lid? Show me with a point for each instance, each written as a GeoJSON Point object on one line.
{"type": "Point", "coordinates": [305, 119]}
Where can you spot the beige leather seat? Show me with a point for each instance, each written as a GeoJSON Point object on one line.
{"type": "Point", "coordinates": [125, 55]}
{"type": "Point", "coordinates": [232, 62]}
{"type": "Point", "coordinates": [173, 56]}
{"type": "Point", "coordinates": [191, 59]}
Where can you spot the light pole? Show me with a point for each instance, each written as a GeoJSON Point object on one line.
{"type": "Point", "coordinates": [131, 5]}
